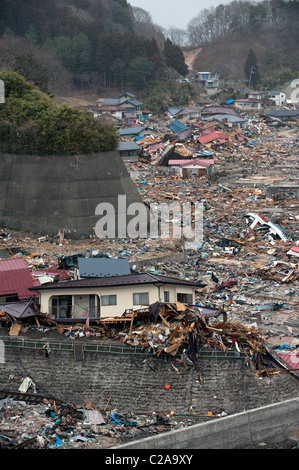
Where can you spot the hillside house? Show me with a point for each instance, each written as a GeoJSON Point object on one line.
{"type": "Point", "coordinates": [117, 112]}
{"type": "Point", "coordinates": [250, 104]}
{"type": "Point", "coordinates": [205, 79]}
{"type": "Point", "coordinates": [278, 97]}
{"type": "Point", "coordinates": [127, 101]}
{"type": "Point", "coordinates": [109, 297]}
{"type": "Point", "coordinates": [257, 95]}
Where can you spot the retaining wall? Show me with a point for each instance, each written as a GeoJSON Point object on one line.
{"type": "Point", "coordinates": [136, 383]}
{"type": "Point", "coordinates": [44, 194]}
{"type": "Point", "coordinates": [272, 423]}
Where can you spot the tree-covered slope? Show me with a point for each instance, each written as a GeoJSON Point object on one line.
{"type": "Point", "coordinates": [32, 123]}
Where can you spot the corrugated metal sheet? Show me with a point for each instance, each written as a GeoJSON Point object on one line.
{"type": "Point", "coordinates": [177, 127]}
{"type": "Point", "coordinates": [131, 130]}
{"type": "Point", "coordinates": [101, 267]}
{"type": "Point", "coordinates": [212, 136]}
{"type": "Point", "coordinates": [18, 309]}
{"type": "Point", "coordinates": [15, 278]}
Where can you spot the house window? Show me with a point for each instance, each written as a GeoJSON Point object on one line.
{"type": "Point", "coordinates": [166, 296]}
{"type": "Point", "coordinates": [61, 306]}
{"type": "Point", "coordinates": [94, 306]}
{"type": "Point", "coordinates": [108, 300]}
{"type": "Point", "coordinates": [185, 298]}
{"type": "Point", "coordinates": [141, 299]}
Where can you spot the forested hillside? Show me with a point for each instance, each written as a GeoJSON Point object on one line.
{"type": "Point", "coordinates": [86, 43]}
{"type": "Point", "coordinates": [227, 33]}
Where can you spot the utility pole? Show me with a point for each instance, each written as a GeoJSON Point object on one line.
{"type": "Point", "coordinates": [2, 92]}
{"type": "Point", "coordinates": [251, 72]}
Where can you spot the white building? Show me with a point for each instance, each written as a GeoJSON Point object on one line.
{"type": "Point", "coordinates": [279, 97]}
{"type": "Point", "coordinates": [111, 296]}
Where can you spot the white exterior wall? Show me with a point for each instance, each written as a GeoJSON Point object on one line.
{"type": "Point", "coordinates": [124, 298]}
{"type": "Point", "coordinates": [279, 98]}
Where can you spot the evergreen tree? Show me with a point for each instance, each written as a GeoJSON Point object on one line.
{"type": "Point", "coordinates": [174, 57]}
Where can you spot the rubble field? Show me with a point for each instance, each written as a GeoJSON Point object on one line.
{"type": "Point", "coordinates": [248, 263]}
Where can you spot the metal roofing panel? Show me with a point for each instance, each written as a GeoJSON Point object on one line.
{"type": "Point", "coordinates": [131, 145]}
{"type": "Point", "coordinates": [15, 278]}
{"type": "Point", "coordinates": [18, 309]}
{"type": "Point", "coordinates": [131, 130]}
{"type": "Point", "coordinates": [212, 136]}
{"type": "Point", "coordinates": [103, 267]}
{"type": "Point", "coordinates": [177, 127]}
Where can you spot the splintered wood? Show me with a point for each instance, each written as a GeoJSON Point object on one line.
{"type": "Point", "coordinates": [180, 328]}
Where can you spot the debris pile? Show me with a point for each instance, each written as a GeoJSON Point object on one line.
{"type": "Point", "coordinates": [50, 424]}
{"type": "Point", "coordinates": [184, 330]}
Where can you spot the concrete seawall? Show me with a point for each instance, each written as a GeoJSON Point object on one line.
{"type": "Point", "coordinates": [272, 423]}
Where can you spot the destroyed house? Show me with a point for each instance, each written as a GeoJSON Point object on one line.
{"type": "Point", "coordinates": [212, 110]}
{"type": "Point", "coordinates": [111, 296]}
{"type": "Point", "coordinates": [15, 280]}
{"type": "Point", "coordinates": [229, 120]}
{"type": "Point", "coordinates": [284, 114]}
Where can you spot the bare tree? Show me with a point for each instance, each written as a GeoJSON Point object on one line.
{"type": "Point", "coordinates": [141, 15]}
{"type": "Point", "coordinates": [176, 35]}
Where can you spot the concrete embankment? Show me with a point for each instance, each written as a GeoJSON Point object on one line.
{"type": "Point", "coordinates": [272, 423]}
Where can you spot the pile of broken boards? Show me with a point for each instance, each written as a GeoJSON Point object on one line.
{"type": "Point", "coordinates": [183, 330]}
{"type": "Point", "coordinates": [52, 424]}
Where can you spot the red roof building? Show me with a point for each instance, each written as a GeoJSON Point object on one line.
{"type": "Point", "coordinates": [15, 280]}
